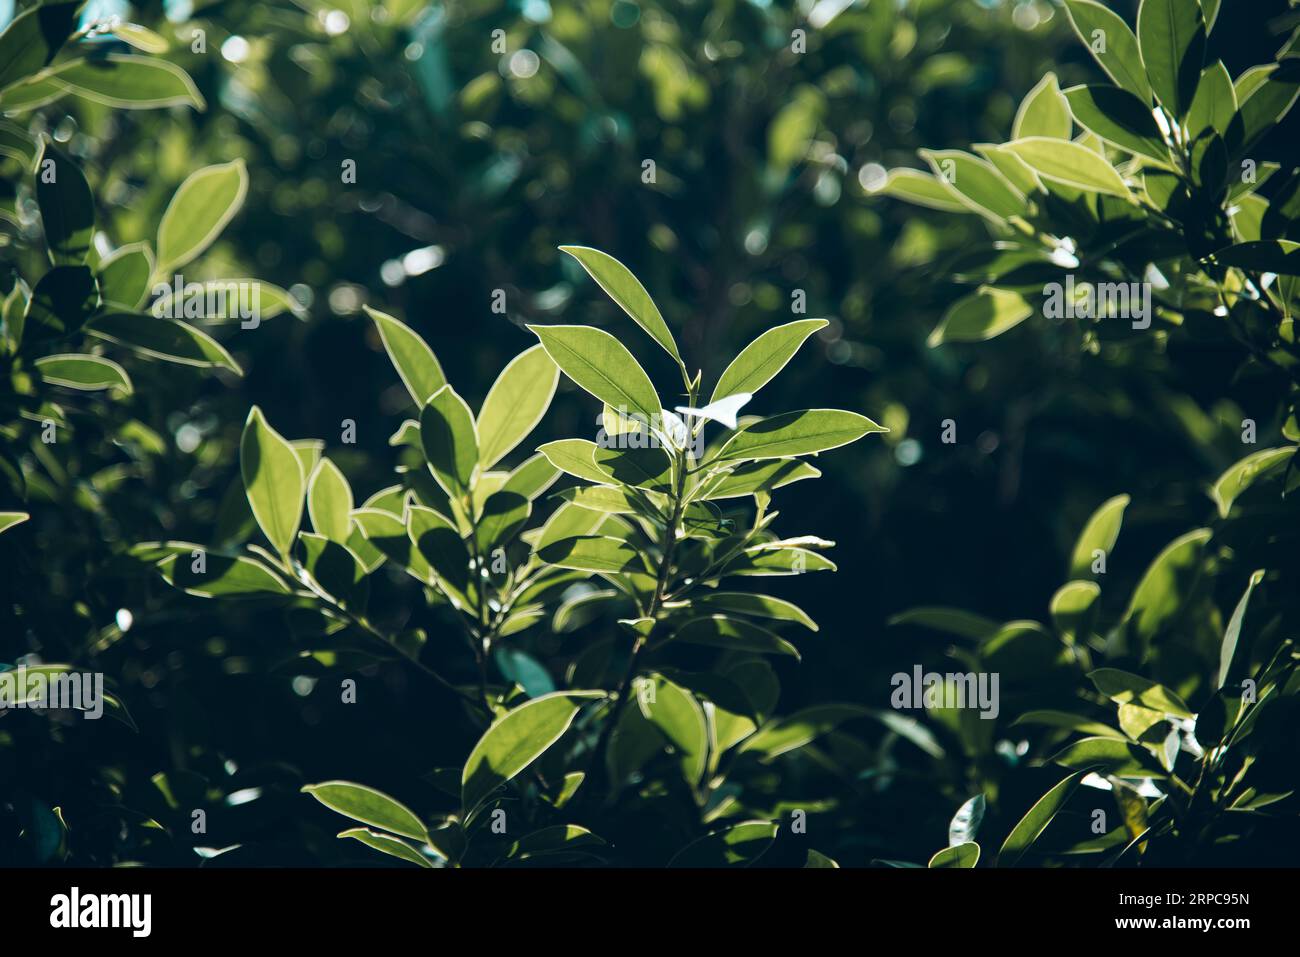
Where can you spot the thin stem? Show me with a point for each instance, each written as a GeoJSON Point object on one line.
{"type": "Point", "coordinates": [668, 546]}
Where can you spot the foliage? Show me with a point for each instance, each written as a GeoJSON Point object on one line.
{"type": "Point", "coordinates": [472, 639]}
{"type": "Point", "coordinates": [650, 525]}
{"type": "Point", "coordinates": [1174, 702]}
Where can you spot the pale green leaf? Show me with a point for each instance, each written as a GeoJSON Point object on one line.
{"type": "Point", "coordinates": [273, 480]}
{"type": "Point", "coordinates": [982, 315]}
{"type": "Point", "coordinates": [329, 502]}
{"type": "Point", "coordinates": [86, 373]}
{"type": "Point", "coordinates": [763, 358]}
{"type": "Point", "coordinates": [450, 441]}
{"type": "Point", "coordinates": [515, 404]}
{"type": "Point", "coordinates": [369, 806]}
{"type": "Point", "coordinates": [514, 741]}
{"type": "Point", "coordinates": [600, 364]}
{"type": "Point", "coordinates": [797, 433]}
{"type": "Point", "coordinates": [198, 212]}
{"type": "Point", "coordinates": [626, 290]}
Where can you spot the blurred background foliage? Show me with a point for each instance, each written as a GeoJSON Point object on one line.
{"type": "Point", "coordinates": [476, 153]}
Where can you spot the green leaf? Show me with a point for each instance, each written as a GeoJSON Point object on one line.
{"type": "Point", "coordinates": [786, 561]}
{"type": "Point", "coordinates": [32, 38]}
{"type": "Point", "coordinates": [953, 621]}
{"type": "Point", "coordinates": [600, 364]}
{"type": "Point", "coordinates": [1067, 721]}
{"type": "Point", "coordinates": [62, 300]}
{"type": "Point", "coordinates": [965, 824]}
{"type": "Point", "coordinates": [1280, 256]}
{"type": "Point", "coordinates": [1233, 657]}
{"type": "Point", "coordinates": [532, 477]}
{"type": "Point", "coordinates": [982, 315]}
{"type": "Point", "coordinates": [388, 534]}
{"type": "Point", "coordinates": [579, 610]}
{"type": "Point", "coordinates": [797, 433]}
{"type": "Point", "coordinates": [515, 404]}
{"type": "Point", "coordinates": [128, 81]}
{"type": "Point", "coordinates": [1110, 756]}
{"type": "Point", "coordinates": [1071, 164]}
{"type": "Point", "coordinates": [1111, 43]}
{"type": "Point", "coordinates": [273, 481]}
{"type": "Point", "coordinates": [747, 478]}
{"type": "Point", "coordinates": [368, 806]}
{"type": "Point", "coordinates": [1123, 687]}
{"type": "Point", "coordinates": [975, 183]}
{"type": "Point", "coordinates": [1163, 592]}
{"type": "Point", "coordinates": [1032, 825]}
{"type": "Point", "coordinates": [1073, 609]}
{"type": "Point", "coordinates": [763, 358]}
{"type": "Point", "coordinates": [1241, 475]}
{"type": "Point", "coordinates": [958, 855]}
{"type": "Point", "coordinates": [1099, 535]}
{"type": "Point", "coordinates": [1119, 118]}
{"type": "Point", "coordinates": [1215, 103]}
{"type": "Point", "coordinates": [198, 212]}
{"type": "Point", "coordinates": [416, 365]}
{"type": "Point", "coordinates": [679, 717]}
{"type": "Point", "coordinates": [575, 457]}
{"type": "Point", "coordinates": [87, 373]}
{"type": "Point", "coordinates": [504, 514]}
{"type": "Point", "coordinates": [450, 441]}
{"type": "Point", "coordinates": [124, 276]}
{"type": "Point", "coordinates": [329, 502]}
{"type": "Point", "coordinates": [33, 93]}
{"type": "Point", "coordinates": [221, 576]}
{"type": "Point", "coordinates": [624, 288]}
{"type": "Point", "coordinates": [516, 740]}
{"type": "Point", "coordinates": [1013, 169]}
{"type": "Point", "coordinates": [9, 519]}
{"type": "Point", "coordinates": [593, 553]}
{"type": "Point", "coordinates": [439, 543]}
{"type": "Point", "coordinates": [803, 727]}
{"type": "Point", "coordinates": [719, 631]}
{"type": "Point", "coordinates": [387, 844]}
{"type": "Point", "coordinates": [557, 838]}
{"type": "Point", "coordinates": [335, 568]}
{"type": "Point", "coordinates": [1171, 36]}
{"type": "Point", "coordinates": [648, 468]}
{"type": "Point", "coordinates": [1043, 112]}
{"type": "Point", "coordinates": [142, 38]}
{"type": "Point", "coordinates": [309, 453]}
{"type": "Point", "coordinates": [568, 521]}
{"type": "Point", "coordinates": [601, 498]}
{"type": "Point", "coordinates": [921, 189]}
{"type": "Point", "coordinates": [1263, 98]}
{"type": "Point", "coordinates": [166, 339]}
{"type": "Point", "coordinates": [740, 844]}
{"type": "Point", "coordinates": [17, 144]}
{"type": "Point", "coordinates": [762, 606]}
{"type": "Point", "coordinates": [67, 206]}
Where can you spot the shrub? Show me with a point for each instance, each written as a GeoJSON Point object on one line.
{"type": "Point", "coordinates": [656, 522]}
{"type": "Point", "coordinates": [1131, 214]}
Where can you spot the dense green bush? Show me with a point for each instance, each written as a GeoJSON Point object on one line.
{"type": "Point", "coordinates": [537, 674]}
{"type": "Point", "coordinates": [1145, 234]}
